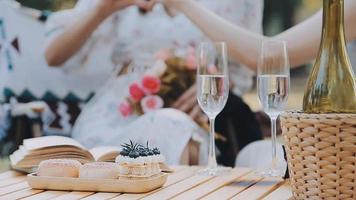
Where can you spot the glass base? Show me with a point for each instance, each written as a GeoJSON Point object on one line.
{"type": "Point", "coordinates": [215, 171]}
{"type": "Point", "coordinates": [271, 173]}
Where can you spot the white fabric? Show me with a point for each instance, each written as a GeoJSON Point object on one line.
{"type": "Point", "coordinates": [139, 36]}
{"type": "Point", "coordinates": [258, 155]}
{"type": "Point", "coordinates": [27, 109]}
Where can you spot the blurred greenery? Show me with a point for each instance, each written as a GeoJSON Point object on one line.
{"type": "Point", "coordinates": [279, 15]}
{"type": "Point", "coordinates": [283, 14]}
{"type": "Point", "coordinates": [52, 5]}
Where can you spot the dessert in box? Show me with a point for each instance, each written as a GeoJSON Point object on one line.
{"type": "Point", "coordinates": [136, 160]}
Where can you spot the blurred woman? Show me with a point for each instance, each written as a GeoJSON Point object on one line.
{"type": "Point", "coordinates": [98, 35]}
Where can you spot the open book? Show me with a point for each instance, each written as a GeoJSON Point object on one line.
{"type": "Point", "coordinates": [34, 150]}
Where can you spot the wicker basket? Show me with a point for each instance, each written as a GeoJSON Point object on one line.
{"type": "Point", "coordinates": [321, 152]}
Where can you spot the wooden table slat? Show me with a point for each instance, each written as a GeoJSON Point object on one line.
{"type": "Point", "coordinates": [260, 189]}
{"type": "Point", "coordinates": [213, 184]}
{"type": "Point", "coordinates": [180, 175]}
{"type": "Point", "coordinates": [176, 189]}
{"type": "Point", "coordinates": [172, 179]}
{"type": "Point", "coordinates": [10, 181]}
{"type": "Point", "coordinates": [281, 193]}
{"type": "Point", "coordinates": [178, 168]}
{"type": "Point", "coordinates": [46, 195]}
{"type": "Point", "coordinates": [73, 195]}
{"type": "Point", "coordinates": [13, 188]}
{"type": "Point", "coordinates": [235, 187]}
{"type": "Point", "coordinates": [20, 194]}
{"type": "Point", "coordinates": [101, 196]}
{"type": "Point", "coordinates": [9, 174]}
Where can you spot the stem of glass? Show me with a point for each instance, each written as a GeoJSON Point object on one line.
{"type": "Point", "coordinates": [274, 138]}
{"type": "Point", "coordinates": [212, 157]}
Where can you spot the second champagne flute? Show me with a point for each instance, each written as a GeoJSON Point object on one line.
{"type": "Point", "coordinates": [273, 89]}
{"type": "Point", "coordinates": [212, 93]}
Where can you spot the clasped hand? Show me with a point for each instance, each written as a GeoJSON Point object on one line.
{"type": "Point", "coordinates": [107, 7]}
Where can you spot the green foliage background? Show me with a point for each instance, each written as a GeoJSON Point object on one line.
{"type": "Point", "coordinates": [51, 5]}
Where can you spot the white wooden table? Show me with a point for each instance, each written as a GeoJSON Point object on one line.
{"type": "Point", "coordinates": [242, 183]}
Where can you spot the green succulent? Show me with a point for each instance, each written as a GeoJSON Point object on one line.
{"type": "Point", "coordinates": [134, 150]}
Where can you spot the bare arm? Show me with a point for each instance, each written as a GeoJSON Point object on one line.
{"type": "Point", "coordinates": [72, 39]}
{"type": "Point", "coordinates": [302, 40]}
{"type": "Point", "coordinates": [78, 32]}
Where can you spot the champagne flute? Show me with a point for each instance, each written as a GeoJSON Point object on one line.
{"type": "Point", "coordinates": [212, 93]}
{"type": "Point", "coordinates": [273, 89]}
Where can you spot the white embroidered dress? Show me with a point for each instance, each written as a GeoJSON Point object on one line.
{"type": "Point", "coordinates": [129, 35]}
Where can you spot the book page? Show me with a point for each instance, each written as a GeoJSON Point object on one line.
{"type": "Point", "coordinates": [35, 150]}
{"type": "Point", "coordinates": [104, 151]}
{"type": "Point", "coordinates": [50, 141]}
{"type": "Point", "coordinates": [18, 155]}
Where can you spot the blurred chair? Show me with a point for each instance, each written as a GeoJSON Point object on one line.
{"type": "Point", "coordinates": [258, 155]}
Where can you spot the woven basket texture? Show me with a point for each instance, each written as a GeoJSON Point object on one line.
{"type": "Point", "coordinates": [321, 153]}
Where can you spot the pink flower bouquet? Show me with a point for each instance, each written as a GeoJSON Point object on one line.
{"type": "Point", "coordinates": [161, 85]}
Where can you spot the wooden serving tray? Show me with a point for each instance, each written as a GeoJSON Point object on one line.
{"type": "Point", "coordinates": [120, 185]}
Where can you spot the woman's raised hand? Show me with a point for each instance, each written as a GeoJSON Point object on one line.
{"type": "Point", "coordinates": [107, 7]}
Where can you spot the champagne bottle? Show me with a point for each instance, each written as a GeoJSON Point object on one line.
{"type": "Point", "coordinates": [331, 86]}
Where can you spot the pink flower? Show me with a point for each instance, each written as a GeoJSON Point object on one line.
{"type": "Point", "coordinates": [151, 84]}
{"type": "Point", "coordinates": [163, 54]}
{"type": "Point", "coordinates": [125, 109]}
{"type": "Point", "coordinates": [136, 92]}
{"type": "Point", "coordinates": [151, 103]}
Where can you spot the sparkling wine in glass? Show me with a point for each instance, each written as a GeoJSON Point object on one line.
{"type": "Point", "coordinates": [273, 89]}
{"type": "Point", "coordinates": [212, 93]}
